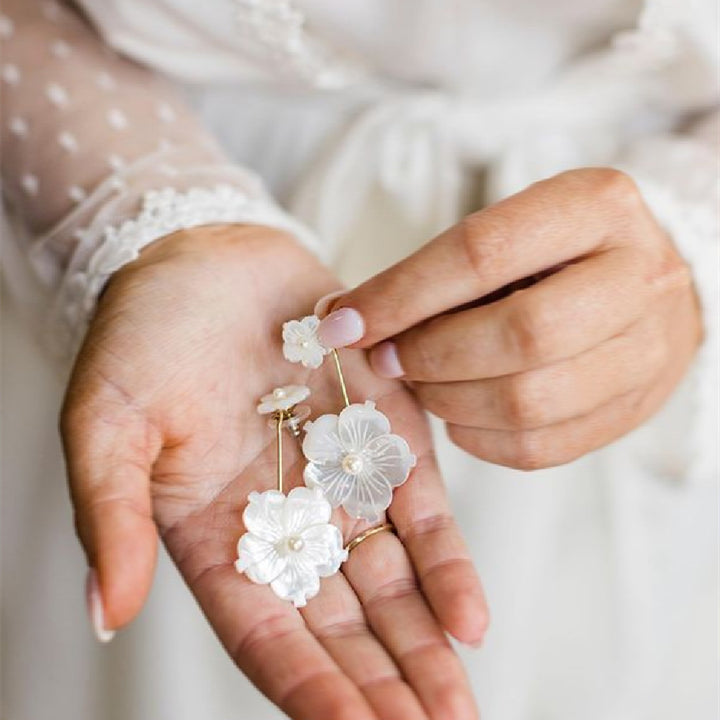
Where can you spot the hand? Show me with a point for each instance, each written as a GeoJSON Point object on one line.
{"type": "Point", "coordinates": [540, 328]}
{"type": "Point", "coordinates": [162, 436]}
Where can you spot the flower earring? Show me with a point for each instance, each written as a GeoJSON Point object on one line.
{"type": "Point", "coordinates": [290, 543]}
{"type": "Point", "coordinates": [353, 456]}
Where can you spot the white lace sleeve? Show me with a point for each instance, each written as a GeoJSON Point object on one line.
{"type": "Point", "coordinates": [99, 158]}
{"type": "Point", "coordinates": [678, 176]}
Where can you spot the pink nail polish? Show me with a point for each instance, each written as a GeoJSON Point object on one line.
{"type": "Point", "coordinates": [323, 304]}
{"type": "Point", "coordinates": [385, 362]}
{"type": "Point", "coordinates": [95, 608]}
{"type": "Point", "coordinates": [340, 328]}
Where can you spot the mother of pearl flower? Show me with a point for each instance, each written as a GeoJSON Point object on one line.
{"type": "Point", "coordinates": [355, 460]}
{"type": "Point", "coordinates": [290, 543]}
{"type": "Point", "coordinates": [301, 343]}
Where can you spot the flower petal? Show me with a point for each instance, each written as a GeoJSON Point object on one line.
{"type": "Point", "coordinates": [259, 559]}
{"type": "Point", "coordinates": [324, 548]}
{"type": "Point", "coordinates": [334, 482]}
{"type": "Point", "coordinates": [391, 457]}
{"type": "Point", "coordinates": [263, 515]}
{"type": "Point", "coordinates": [313, 356]}
{"type": "Point", "coordinates": [321, 443]}
{"type": "Point", "coordinates": [298, 582]}
{"type": "Point", "coordinates": [293, 331]}
{"type": "Point", "coordinates": [360, 423]}
{"type": "Point", "coordinates": [370, 497]}
{"type": "Point", "coordinates": [293, 352]}
{"type": "Point", "coordinates": [303, 509]}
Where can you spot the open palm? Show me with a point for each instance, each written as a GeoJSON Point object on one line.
{"type": "Point", "coordinates": [162, 437]}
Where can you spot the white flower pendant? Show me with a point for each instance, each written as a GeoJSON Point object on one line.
{"type": "Point", "coordinates": [301, 344]}
{"type": "Point", "coordinates": [290, 543]}
{"type": "Point", "coordinates": [355, 460]}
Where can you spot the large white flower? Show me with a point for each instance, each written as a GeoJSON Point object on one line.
{"type": "Point", "coordinates": [301, 344]}
{"type": "Point", "coordinates": [282, 398]}
{"type": "Point", "coordinates": [355, 460]}
{"type": "Point", "coordinates": [290, 543]}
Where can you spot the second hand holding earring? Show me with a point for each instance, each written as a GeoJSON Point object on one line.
{"type": "Point", "coordinates": [353, 457]}
{"type": "Point", "coordinates": [290, 543]}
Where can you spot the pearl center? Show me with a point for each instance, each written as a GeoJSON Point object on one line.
{"type": "Point", "coordinates": [352, 464]}
{"type": "Point", "coordinates": [305, 343]}
{"type": "Point", "coordinates": [295, 544]}
{"type": "Point", "coordinates": [279, 393]}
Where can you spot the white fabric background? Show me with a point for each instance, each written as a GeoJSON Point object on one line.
{"type": "Point", "coordinates": [601, 575]}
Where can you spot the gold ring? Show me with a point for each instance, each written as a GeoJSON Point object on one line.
{"type": "Point", "coordinates": [369, 533]}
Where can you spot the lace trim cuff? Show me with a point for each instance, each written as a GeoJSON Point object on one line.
{"type": "Point", "coordinates": [162, 212]}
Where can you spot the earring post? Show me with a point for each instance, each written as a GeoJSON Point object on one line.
{"type": "Point", "coordinates": [341, 377]}
{"type": "Point", "coordinates": [280, 418]}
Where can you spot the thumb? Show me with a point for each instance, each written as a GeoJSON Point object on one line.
{"type": "Point", "coordinates": [109, 461]}
{"type": "Point", "coordinates": [430, 281]}
{"type": "Point", "coordinates": [538, 228]}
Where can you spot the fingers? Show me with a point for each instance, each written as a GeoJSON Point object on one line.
{"type": "Point", "coordinates": [561, 391]}
{"type": "Point", "coordinates": [424, 521]}
{"type": "Point", "coordinates": [560, 443]}
{"type": "Point", "coordinates": [549, 223]}
{"type": "Point", "coordinates": [559, 317]}
{"type": "Point", "coordinates": [335, 617]}
{"type": "Point", "coordinates": [381, 574]}
{"type": "Point", "coordinates": [108, 461]}
{"type": "Point", "coordinates": [442, 562]}
{"type": "Point", "coordinates": [269, 641]}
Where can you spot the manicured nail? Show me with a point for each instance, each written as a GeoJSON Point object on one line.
{"type": "Point", "coordinates": [323, 304]}
{"type": "Point", "coordinates": [95, 608]}
{"type": "Point", "coordinates": [340, 328]}
{"type": "Point", "coordinates": [385, 362]}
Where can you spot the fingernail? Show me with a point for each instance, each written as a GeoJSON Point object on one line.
{"type": "Point", "coordinates": [385, 362]}
{"type": "Point", "coordinates": [95, 608]}
{"type": "Point", "coordinates": [323, 304]}
{"type": "Point", "coordinates": [340, 328]}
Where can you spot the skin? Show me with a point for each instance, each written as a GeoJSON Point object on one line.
{"type": "Point", "coordinates": [162, 440]}
{"type": "Point", "coordinates": [540, 328]}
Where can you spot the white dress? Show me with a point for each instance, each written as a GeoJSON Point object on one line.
{"type": "Point", "coordinates": [371, 124]}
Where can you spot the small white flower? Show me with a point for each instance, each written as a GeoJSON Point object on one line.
{"type": "Point", "coordinates": [68, 141]}
{"type": "Point", "coordinates": [290, 543]}
{"type": "Point", "coordinates": [30, 183]}
{"type": "Point", "coordinates": [7, 28]}
{"type": "Point", "coordinates": [355, 460]}
{"type": "Point", "coordinates": [166, 113]}
{"type": "Point", "coordinates": [301, 344]}
{"type": "Point", "coordinates": [19, 126]}
{"type": "Point", "coordinates": [60, 49]}
{"type": "Point", "coordinates": [105, 81]}
{"type": "Point", "coordinates": [76, 193]}
{"type": "Point", "coordinates": [282, 398]}
{"type": "Point", "coordinates": [57, 95]}
{"type": "Point", "coordinates": [11, 74]}
{"type": "Point", "coordinates": [117, 119]}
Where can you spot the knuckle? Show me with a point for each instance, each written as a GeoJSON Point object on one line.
{"type": "Point", "coordinates": [530, 451]}
{"type": "Point", "coordinates": [531, 329]}
{"type": "Point", "coordinates": [484, 238]}
{"type": "Point", "coordinates": [614, 185]}
{"type": "Point", "coordinates": [524, 402]}
{"type": "Point", "coordinates": [421, 358]}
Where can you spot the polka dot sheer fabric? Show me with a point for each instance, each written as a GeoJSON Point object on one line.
{"type": "Point", "coordinates": [92, 143]}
